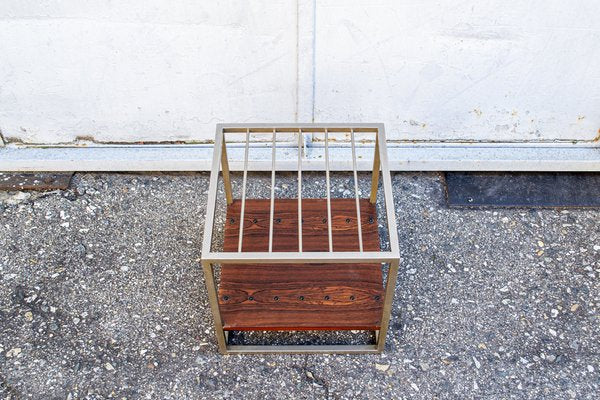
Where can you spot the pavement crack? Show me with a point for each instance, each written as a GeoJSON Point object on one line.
{"type": "Point", "coordinates": [314, 379]}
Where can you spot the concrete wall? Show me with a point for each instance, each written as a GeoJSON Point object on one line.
{"type": "Point", "coordinates": [158, 70]}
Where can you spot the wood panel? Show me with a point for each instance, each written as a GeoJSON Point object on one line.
{"type": "Point", "coordinates": [314, 226]}
{"type": "Point", "coordinates": [301, 296]}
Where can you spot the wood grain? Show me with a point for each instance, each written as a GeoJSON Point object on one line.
{"type": "Point", "coordinates": [301, 296]}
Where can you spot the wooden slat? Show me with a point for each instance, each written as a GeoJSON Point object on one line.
{"type": "Point", "coordinates": [301, 296]}
{"type": "Point", "coordinates": [314, 227]}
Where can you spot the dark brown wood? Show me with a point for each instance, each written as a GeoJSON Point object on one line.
{"type": "Point", "coordinates": [314, 228]}
{"type": "Point", "coordinates": [301, 296]}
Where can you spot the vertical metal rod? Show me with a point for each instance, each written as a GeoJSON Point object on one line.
{"type": "Point", "coordinates": [300, 137]}
{"type": "Point", "coordinates": [244, 190]}
{"type": "Point", "coordinates": [328, 190]}
{"type": "Point", "coordinates": [390, 288]}
{"type": "Point", "coordinates": [375, 173]}
{"type": "Point", "coordinates": [272, 195]}
{"type": "Point", "coordinates": [360, 240]}
{"type": "Point", "coordinates": [209, 279]}
{"type": "Point", "coordinates": [226, 178]}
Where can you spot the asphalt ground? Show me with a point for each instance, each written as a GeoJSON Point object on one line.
{"type": "Point", "coordinates": [102, 296]}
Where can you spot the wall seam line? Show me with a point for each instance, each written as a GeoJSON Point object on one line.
{"type": "Point", "coordinates": [314, 58]}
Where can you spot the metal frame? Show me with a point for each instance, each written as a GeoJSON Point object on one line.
{"type": "Point", "coordinates": [211, 258]}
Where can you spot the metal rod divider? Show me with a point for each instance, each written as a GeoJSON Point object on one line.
{"type": "Point", "coordinates": [358, 219]}
{"type": "Point", "coordinates": [272, 195]}
{"type": "Point", "coordinates": [328, 190]}
{"type": "Point", "coordinates": [375, 174]}
{"type": "Point", "coordinates": [226, 175]}
{"type": "Point", "coordinates": [244, 191]}
{"type": "Point", "coordinates": [300, 190]}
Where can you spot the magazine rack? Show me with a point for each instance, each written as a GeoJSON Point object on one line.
{"type": "Point", "coordinates": [304, 263]}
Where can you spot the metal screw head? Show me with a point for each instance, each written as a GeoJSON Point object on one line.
{"type": "Point", "coordinates": [301, 298]}
{"type": "Point", "coordinates": [347, 220]}
{"type": "Point", "coordinates": [371, 220]}
{"type": "Point", "coordinates": [225, 298]}
{"type": "Point", "coordinates": [278, 221]}
{"type": "Point", "coordinates": [276, 298]}
{"type": "Point", "coordinates": [250, 298]}
{"type": "Point", "coordinates": [377, 297]}
{"type": "Point", "coordinates": [232, 221]}
{"type": "Point", "coordinates": [352, 297]}
{"type": "Point", "coordinates": [324, 220]}
{"type": "Point", "coordinates": [326, 297]}
{"type": "Point", "coordinates": [254, 221]}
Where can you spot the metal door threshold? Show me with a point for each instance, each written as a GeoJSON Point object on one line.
{"type": "Point", "coordinates": [402, 157]}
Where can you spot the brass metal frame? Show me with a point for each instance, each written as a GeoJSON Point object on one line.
{"type": "Point", "coordinates": [211, 258]}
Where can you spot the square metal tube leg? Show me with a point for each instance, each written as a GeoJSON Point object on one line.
{"type": "Point", "coordinates": [390, 289]}
{"type": "Point", "coordinates": [209, 278]}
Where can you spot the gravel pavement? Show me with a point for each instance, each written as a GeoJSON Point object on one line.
{"type": "Point", "coordinates": [102, 296]}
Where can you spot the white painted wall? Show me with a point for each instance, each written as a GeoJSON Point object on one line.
{"type": "Point", "coordinates": [474, 70]}
{"type": "Point", "coordinates": [158, 70]}
{"type": "Point", "coordinates": [143, 70]}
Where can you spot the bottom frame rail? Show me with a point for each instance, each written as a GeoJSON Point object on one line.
{"type": "Point", "coordinates": [303, 349]}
